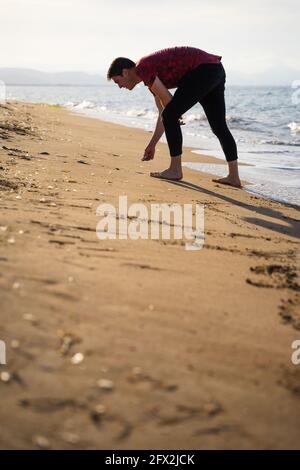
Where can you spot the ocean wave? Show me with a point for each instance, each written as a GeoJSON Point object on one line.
{"type": "Point", "coordinates": [241, 120]}
{"type": "Point", "coordinates": [144, 113]}
{"type": "Point", "coordinates": [265, 152]}
{"type": "Point", "coordinates": [148, 114]}
{"type": "Point", "coordinates": [194, 117]}
{"type": "Point", "coordinates": [279, 142]}
{"type": "Point", "coordinates": [69, 104]}
{"type": "Point", "coordinates": [85, 105]}
{"type": "Point", "coordinates": [246, 124]}
{"type": "Point", "coordinates": [294, 126]}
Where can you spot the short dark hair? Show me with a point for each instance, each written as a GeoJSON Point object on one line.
{"type": "Point", "coordinates": [117, 66]}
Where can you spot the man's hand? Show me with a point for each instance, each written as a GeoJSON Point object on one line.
{"type": "Point", "coordinates": [149, 152]}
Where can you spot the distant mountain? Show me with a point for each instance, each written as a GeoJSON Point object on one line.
{"type": "Point", "coordinates": [275, 76]}
{"type": "Point", "coordinates": [19, 76]}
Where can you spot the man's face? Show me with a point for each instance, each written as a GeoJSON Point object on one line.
{"type": "Point", "coordinates": [125, 80]}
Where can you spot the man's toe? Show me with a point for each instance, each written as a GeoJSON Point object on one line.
{"type": "Point", "coordinates": [156, 174]}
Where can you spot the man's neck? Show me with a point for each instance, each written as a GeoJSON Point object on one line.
{"type": "Point", "coordinates": [136, 76]}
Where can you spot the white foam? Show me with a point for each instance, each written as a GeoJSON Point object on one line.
{"type": "Point", "coordinates": [192, 117]}
{"type": "Point", "coordinates": [277, 183]}
{"type": "Point", "coordinates": [85, 105]}
{"type": "Point", "coordinates": [295, 127]}
{"type": "Point", "coordinates": [143, 113]}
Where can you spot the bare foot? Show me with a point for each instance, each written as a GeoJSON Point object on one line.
{"type": "Point", "coordinates": [236, 183]}
{"type": "Point", "coordinates": [167, 174]}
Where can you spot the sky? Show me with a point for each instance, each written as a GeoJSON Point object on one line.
{"type": "Point", "coordinates": [62, 35]}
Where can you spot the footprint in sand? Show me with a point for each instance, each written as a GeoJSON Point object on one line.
{"type": "Point", "coordinates": [176, 414]}
{"type": "Point", "coordinates": [138, 377]}
{"type": "Point", "coordinates": [119, 427]}
{"type": "Point", "coordinates": [142, 266]}
{"type": "Point", "coordinates": [291, 381]}
{"type": "Point", "coordinates": [289, 311]}
{"type": "Point", "coordinates": [49, 404]}
{"type": "Point", "coordinates": [4, 184]}
{"type": "Point", "coordinates": [275, 276]}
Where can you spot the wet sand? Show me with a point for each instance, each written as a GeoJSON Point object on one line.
{"type": "Point", "coordinates": [131, 344]}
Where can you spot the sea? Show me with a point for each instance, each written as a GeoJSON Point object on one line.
{"type": "Point", "coordinates": [264, 120]}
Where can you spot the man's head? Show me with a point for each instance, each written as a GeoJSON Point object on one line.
{"type": "Point", "coordinates": [122, 72]}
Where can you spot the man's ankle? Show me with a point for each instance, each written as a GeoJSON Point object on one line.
{"type": "Point", "coordinates": [233, 169]}
{"type": "Point", "coordinates": [176, 163]}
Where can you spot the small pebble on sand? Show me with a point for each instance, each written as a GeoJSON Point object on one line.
{"type": "Point", "coordinates": [100, 409]}
{"type": "Point", "coordinates": [41, 441]}
{"type": "Point", "coordinates": [29, 317]}
{"type": "Point", "coordinates": [70, 437]}
{"type": "Point", "coordinates": [15, 344]}
{"type": "Point", "coordinates": [105, 384]}
{"type": "Point", "coordinates": [97, 412]}
{"type": "Point", "coordinates": [137, 371]}
{"type": "Point", "coordinates": [5, 377]}
{"type": "Point", "coordinates": [77, 358]}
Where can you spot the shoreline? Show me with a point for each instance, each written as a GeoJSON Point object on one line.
{"type": "Point", "coordinates": [219, 160]}
{"type": "Point", "coordinates": [136, 344]}
{"type": "Point", "coordinates": [271, 177]}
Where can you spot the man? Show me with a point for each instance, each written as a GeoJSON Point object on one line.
{"type": "Point", "coordinates": [199, 78]}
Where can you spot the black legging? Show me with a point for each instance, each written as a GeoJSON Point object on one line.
{"type": "Point", "coordinates": [205, 85]}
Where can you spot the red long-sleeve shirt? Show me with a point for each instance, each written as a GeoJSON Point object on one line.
{"type": "Point", "coordinates": [171, 64]}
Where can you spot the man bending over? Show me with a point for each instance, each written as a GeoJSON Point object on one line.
{"type": "Point", "coordinates": [199, 78]}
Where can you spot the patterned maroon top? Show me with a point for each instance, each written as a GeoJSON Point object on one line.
{"type": "Point", "coordinates": [171, 64]}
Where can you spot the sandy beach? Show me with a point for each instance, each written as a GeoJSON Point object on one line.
{"type": "Point", "coordinates": [138, 344]}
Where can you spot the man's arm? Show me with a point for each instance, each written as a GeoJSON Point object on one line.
{"type": "Point", "coordinates": [158, 132]}
{"type": "Point", "coordinates": [159, 129]}
{"type": "Point", "coordinates": [162, 96]}
{"type": "Point", "coordinates": [159, 105]}
{"type": "Point", "coordinates": [160, 91]}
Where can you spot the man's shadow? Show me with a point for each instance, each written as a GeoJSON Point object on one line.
{"type": "Point", "coordinates": [292, 230]}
